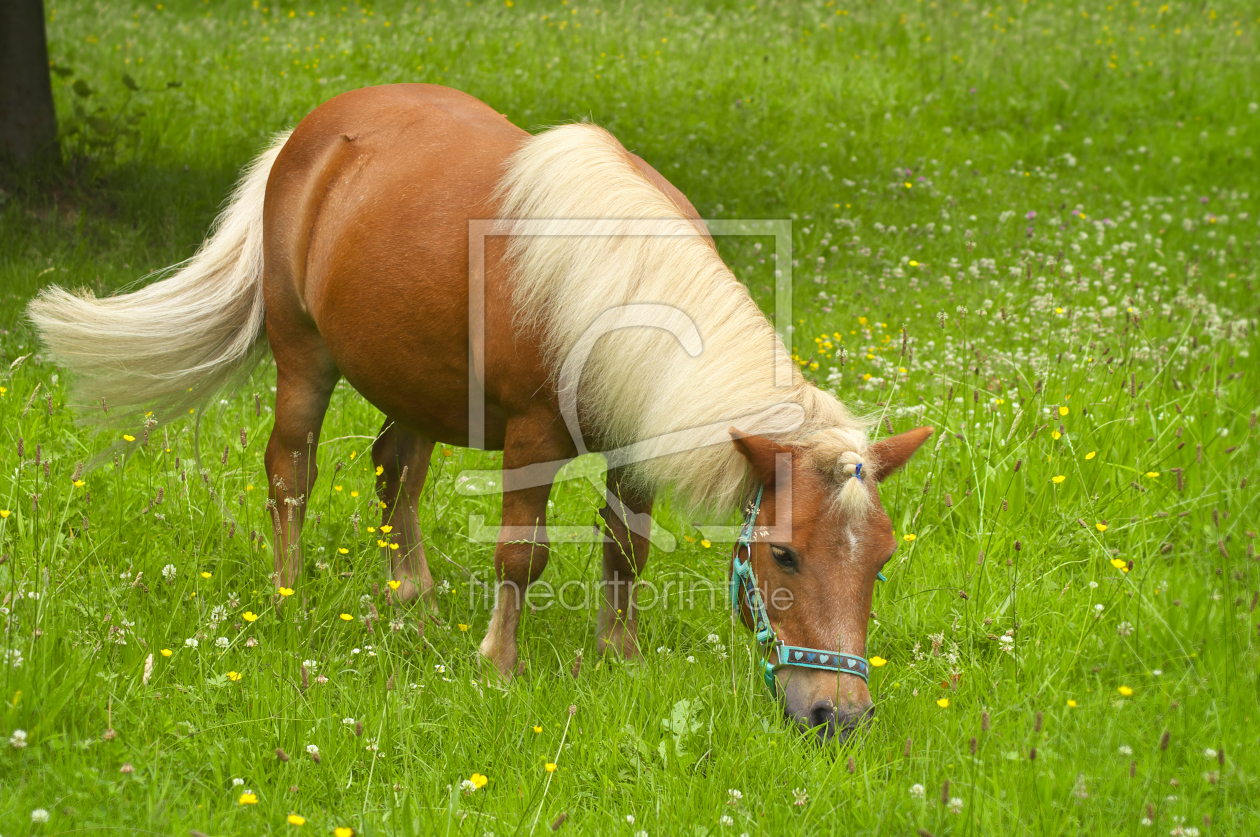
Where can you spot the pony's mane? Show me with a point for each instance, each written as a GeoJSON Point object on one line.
{"type": "Point", "coordinates": [586, 253]}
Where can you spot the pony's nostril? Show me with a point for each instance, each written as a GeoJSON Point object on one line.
{"type": "Point", "coordinates": [822, 715]}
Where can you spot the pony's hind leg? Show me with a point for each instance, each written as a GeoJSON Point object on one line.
{"type": "Point", "coordinates": [305, 378]}
{"type": "Point", "coordinates": [402, 457]}
{"type": "Point", "coordinates": [627, 527]}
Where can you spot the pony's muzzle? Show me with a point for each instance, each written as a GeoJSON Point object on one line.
{"type": "Point", "coordinates": [827, 723]}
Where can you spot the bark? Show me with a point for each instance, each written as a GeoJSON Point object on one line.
{"type": "Point", "coordinates": [28, 123]}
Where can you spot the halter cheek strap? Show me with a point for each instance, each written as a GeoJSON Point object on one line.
{"type": "Point", "coordinates": [744, 586]}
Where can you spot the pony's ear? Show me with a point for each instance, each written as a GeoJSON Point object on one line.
{"type": "Point", "coordinates": [888, 455]}
{"type": "Point", "coordinates": [761, 454]}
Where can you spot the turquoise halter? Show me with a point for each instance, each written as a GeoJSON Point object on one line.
{"type": "Point", "coordinates": [788, 655]}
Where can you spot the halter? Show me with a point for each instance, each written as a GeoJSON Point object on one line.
{"type": "Point", "coordinates": [788, 655]}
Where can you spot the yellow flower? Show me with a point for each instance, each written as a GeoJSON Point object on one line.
{"type": "Point", "coordinates": [249, 616]}
{"type": "Point", "coordinates": [165, 652]}
{"type": "Point", "coordinates": [371, 528]}
{"type": "Point", "coordinates": [387, 528]}
{"type": "Point", "coordinates": [1056, 480]}
{"type": "Point", "coordinates": [550, 767]}
{"type": "Point", "coordinates": [1063, 411]}
{"type": "Point", "coordinates": [285, 591]}
{"type": "Point", "coordinates": [463, 627]}
{"type": "Point", "coordinates": [354, 494]}
{"type": "Point", "coordinates": [129, 438]}
{"type": "Point", "coordinates": [336, 488]}
{"type": "Point", "coordinates": [1126, 691]}
{"type": "Point", "coordinates": [705, 543]}
{"type": "Point", "coordinates": [78, 483]}
{"type": "Point", "coordinates": [234, 676]}
{"type": "Point", "coordinates": [346, 617]}
{"type": "Point", "coordinates": [343, 550]}
{"type": "Point", "coordinates": [1120, 564]}
{"type": "Point", "coordinates": [394, 585]}
{"type": "Point", "coordinates": [878, 661]}
{"type": "Point", "coordinates": [1056, 435]}
{"type": "Point", "coordinates": [537, 729]}
{"type": "Point", "coordinates": [908, 538]}
{"type": "Point", "coordinates": [297, 819]}
{"type": "Point", "coordinates": [943, 703]}
{"type": "Point", "coordinates": [478, 780]}
{"type": "Point", "coordinates": [4, 512]}
{"type": "Point", "coordinates": [1152, 474]}
{"type": "Point", "coordinates": [248, 799]}
{"type": "Point", "coordinates": [1091, 454]}
{"type": "Point", "coordinates": [1072, 704]}
{"type": "Point", "coordinates": [913, 263]}
{"type": "Point", "coordinates": [206, 575]}
{"type": "Point", "coordinates": [380, 469]}
{"type": "Point", "coordinates": [381, 543]}
{"type": "Point", "coordinates": [1101, 527]}
{"type": "Point", "coordinates": [343, 831]}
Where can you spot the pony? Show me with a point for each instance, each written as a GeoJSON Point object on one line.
{"type": "Point", "coordinates": [544, 295]}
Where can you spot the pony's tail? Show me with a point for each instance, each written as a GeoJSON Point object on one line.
{"type": "Point", "coordinates": [168, 347]}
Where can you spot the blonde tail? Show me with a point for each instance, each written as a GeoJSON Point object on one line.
{"type": "Point", "coordinates": [171, 345]}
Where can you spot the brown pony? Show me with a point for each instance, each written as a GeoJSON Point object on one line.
{"type": "Point", "coordinates": [598, 316]}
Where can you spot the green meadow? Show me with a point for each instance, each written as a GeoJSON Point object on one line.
{"type": "Point", "coordinates": [1029, 224]}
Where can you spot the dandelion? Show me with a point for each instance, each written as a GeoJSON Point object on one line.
{"type": "Point", "coordinates": [878, 661]}
{"type": "Point", "coordinates": [18, 739]}
{"type": "Point", "coordinates": [249, 616]}
{"type": "Point", "coordinates": [943, 703]}
{"type": "Point", "coordinates": [1057, 480]}
{"type": "Point", "coordinates": [1125, 690]}
{"type": "Point", "coordinates": [297, 819]}
{"type": "Point", "coordinates": [247, 798]}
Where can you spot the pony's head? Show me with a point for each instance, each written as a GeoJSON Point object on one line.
{"type": "Point", "coordinates": [819, 541]}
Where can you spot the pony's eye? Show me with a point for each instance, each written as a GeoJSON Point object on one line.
{"type": "Point", "coordinates": [785, 557]}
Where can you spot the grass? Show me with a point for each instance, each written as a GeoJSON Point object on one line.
{"type": "Point", "coordinates": [1094, 636]}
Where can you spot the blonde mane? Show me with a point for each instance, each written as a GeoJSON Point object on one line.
{"type": "Point", "coordinates": [585, 254]}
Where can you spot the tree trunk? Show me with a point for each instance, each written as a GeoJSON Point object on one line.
{"type": "Point", "coordinates": [28, 123]}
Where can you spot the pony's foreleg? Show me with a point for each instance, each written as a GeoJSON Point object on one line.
{"type": "Point", "coordinates": [305, 379]}
{"type": "Point", "coordinates": [627, 527]}
{"type": "Point", "coordinates": [403, 459]}
{"type": "Point", "coordinates": [522, 551]}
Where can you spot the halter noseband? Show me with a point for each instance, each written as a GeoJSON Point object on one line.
{"type": "Point", "coordinates": [742, 578]}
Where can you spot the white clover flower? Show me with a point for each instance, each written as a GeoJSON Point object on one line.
{"type": "Point", "coordinates": [348, 721]}
{"type": "Point", "coordinates": [917, 791]}
{"type": "Point", "coordinates": [690, 659]}
{"type": "Point", "coordinates": [312, 750]}
{"type": "Point", "coordinates": [236, 783]}
{"type": "Point", "coordinates": [18, 739]}
{"type": "Point", "coordinates": [168, 572]}
{"type": "Point", "coordinates": [955, 805]}
{"type": "Point", "coordinates": [630, 819]}
{"type": "Point", "coordinates": [726, 820]}
{"type": "Point", "coordinates": [1126, 750]}
{"type": "Point", "coordinates": [222, 642]}
{"type": "Point", "coordinates": [735, 796]}
{"type": "Point", "coordinates": [311, 665]}
{"type": "Point", "coordinates": [191, 642]}
{"type": "Point", "coordinates": [39, 815]}
{"type": "Point", "coordinates": [1209, 753]}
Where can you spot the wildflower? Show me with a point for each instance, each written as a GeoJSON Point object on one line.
{"type": "Point", "coordinates": [1152, 474]}
{"type": "Point", "coordinates": [206, 574]}
{"type": "Point", "coordinates": [251, 642]}
{"type": "Point", "coordinates": [236, 783]}
{"type": "Point", "coordinates": [18, 739]}
{"type": "Point", "coordinates": [1125, 690]}
{"type": "Point", "coordinates": [4, 512]}
{"type": "Point", "coordinates": [343, 831]}
{"type": "Point", "coordinates": [394, 585]}
{"type": "Point", "coordinates": [249, 616]}
{"type": "Point", "coordinates": [917, 791]}
{"type": "Point", "coordinates": [705, 543]}
{"type": "Point", "coordinates": [630, 819]}
{"type": "Point", "coordinates": [234, 676]}
{"type": "Point", "coordinates": [909, 538]}
{"type": "Point", "coordinates": [537, 729]}
{"type": "Point", "coordinates": [1056, 480]}
{"type": "Point", "coordinates": [129, 438]}
{"type": "Point", "coordinates": [343, 550]}
{"type": "Point", "coordinates": [1071, 704]}
{"type": "Point", "coordinates": [285, 591]}
{"type": "Point", "coordinates": [878, 661]}
{"type": "Point", "coordinates": [380, 469]}
{"type": "Point", "coordinates": [943, 703]}
{"type": "Point", "coordinates": [1126, 750]}
{"type": "Point", "coordinates": [463, 627]}
{"type": "Point", "coordinates": [346, 617]}
{"type": "Point", "coordinates": [168, 572]}
{"type": "Point", "coordinates": [1120, 564]}
{"type": "Point", "coordinates": [126, 768]}
{"type": "Point", "coordinates": [801, 796]}
{"type": "Point", "coordinates": [550, 767]}
{"type": "Point", "coordinates": [297, 819]}
{"type": "Point", "coordinates": [735, 796]}
{"type": "Point", "coordinates": [726, 820]}
{"type": "Point", "coordinates": [222, 642]}
{"type": "Point", "coordinates": [478, 781]}
{"type": "Point", "coordinates": [1101, 527]}
{"type": "Point", "coordinates": [955, 805]}
{"type": "Point", "coordinates": [1091, 454]}
{"type": "Point", "coordinates": [247, 798]}
{"type": "Point", "coordinates": [39, 815]}
{"type": "Point", "coordinates": [191, 642]}
{"type": "Point", "coordinates": [312, 750]}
